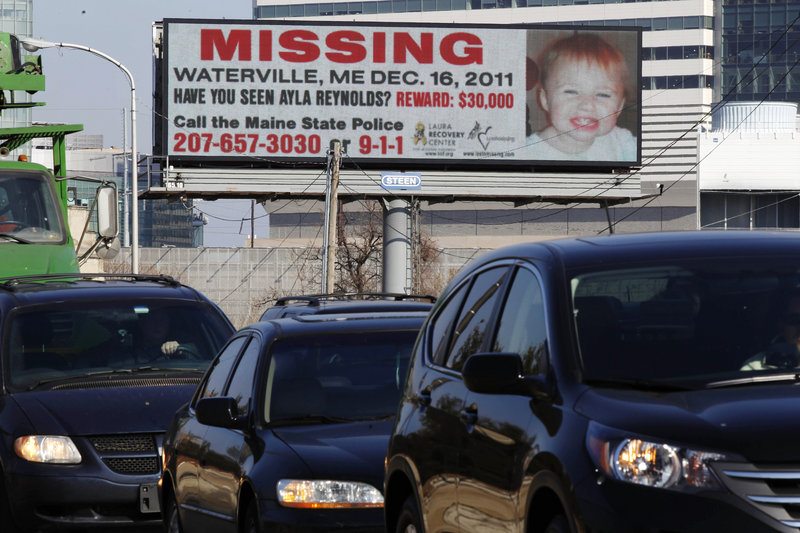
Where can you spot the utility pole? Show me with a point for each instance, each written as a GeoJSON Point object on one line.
{"type": "Point", "coordinates": [252, 223]}
{"type": "Point", "coordinates": [331, 208]}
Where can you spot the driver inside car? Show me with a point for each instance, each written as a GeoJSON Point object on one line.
{"type": "Point", "coordinates": [159, 339]}
{"type": "Point", "coordinates": [784, 350]}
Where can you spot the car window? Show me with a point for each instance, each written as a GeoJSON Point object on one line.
{"type": "Point", "coordinates": [218, 376]}
{"type": "Point", "coordinates": [473, 319]}
{"type": "Point", "coordinates": [521, 326]}
{"type": "Point", "coordinates": [443, 325]}
{"type": "Point", "coordinates": [241, 385]}
{"type": "Point", "coordinates": [352, 376]}
{"type": "Point", "coordinates": [65, 339]}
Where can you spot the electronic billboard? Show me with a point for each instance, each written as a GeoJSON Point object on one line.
{"type": "Point", "coordinates": [401, 95]}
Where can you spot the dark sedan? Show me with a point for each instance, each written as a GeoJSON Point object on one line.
{"type": "Point", "coordinates": [288, 431]}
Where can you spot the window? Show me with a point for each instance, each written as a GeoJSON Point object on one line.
{"type": "Point", "coordinates": [385, 7]}
{"type": "Point", "coordinates": [470, 327]}
{"type": "Point", "coordinates": [522, 328]}
{"type": "Point", "coordinates": [443, 326]}
{"type": "Point", "coordinates": [215, 382]}
{"type": "Point", "coordinates": [266, 11]}
{"type": "Point", "coordinates": [241, 386]}
{"type": "Point", "coordinates": [675, 23]}
{"type": "Point", "coordinates": [297, 10]}
{"type": "Point", "coordinates": [281, 11]}
{"type": "Point", "coordinates": [675, 52]}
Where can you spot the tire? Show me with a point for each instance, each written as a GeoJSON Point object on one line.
{"type": "Point", "coordinates": [409, 520]}
{"type": "Point", "coordinates": [251, 523]}
{"type": "Point", "coordinates": [557, 525]}
{"type": "Point", "coordinates": [172, 519]}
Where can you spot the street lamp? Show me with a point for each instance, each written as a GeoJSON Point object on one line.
{"type": "Point", "coordinates": [32, 45]}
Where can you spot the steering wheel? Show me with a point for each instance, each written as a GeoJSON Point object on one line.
{"type": "Point", "coordinates": [184, 351]}
{"type": "Point", "coordinates": [16, 223]}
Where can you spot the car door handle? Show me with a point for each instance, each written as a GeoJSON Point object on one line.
{"type": "Point", "coordinates": [469, 415]}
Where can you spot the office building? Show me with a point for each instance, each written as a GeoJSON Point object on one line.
{"type": "Point", "coordinates": [697, 54]}
{"type": "Point", "coordinates": [680, 74]}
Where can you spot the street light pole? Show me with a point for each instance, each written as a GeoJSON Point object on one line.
{"type": "Point", "coordinates": [32, 45]}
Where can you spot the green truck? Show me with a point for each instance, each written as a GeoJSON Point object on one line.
{"type": "Point", "coordinates": [34, 231]}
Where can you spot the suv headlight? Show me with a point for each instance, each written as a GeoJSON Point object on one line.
{"type": "Point", "coordinates": [649, 462]}
{"type": "Point", "coordinates": [47, 449]}
{"type": "Point", "coordinates": [327, 494]}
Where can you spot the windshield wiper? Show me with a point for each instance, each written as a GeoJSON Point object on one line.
{"type": "Point", "coordinates": [15, 238]}
{"type": "Point", "coordinates": [109, 373]}
{"type": "Point", "coordinates": [763, 378]}
{"type": "Point", "coordinates": [639, 384]}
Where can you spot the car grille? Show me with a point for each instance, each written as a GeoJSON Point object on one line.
{"type": "Point", "coordinates": [772, 489]}
{"type": "Point", "coordinates": [135, 454]}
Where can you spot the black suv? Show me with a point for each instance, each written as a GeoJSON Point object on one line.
{"type": "Point", "coordinates": [624, 383]}
{"type": "Point", "coordinates": [288, 430]}
{"type": "Point", "coordinates": [348, 302]}
{"type": "Point", "coordinates": [93, 368]}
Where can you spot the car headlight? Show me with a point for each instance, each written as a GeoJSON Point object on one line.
{"type": "Point", "coordinates": [47, 449]}
{"type": "Point", "coordinates": [651, 463]}
{"type": "Point", "coordinates": [327, 494]}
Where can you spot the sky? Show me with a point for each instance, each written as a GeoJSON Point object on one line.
{"type": "Point", "coordinates": [82, 88]}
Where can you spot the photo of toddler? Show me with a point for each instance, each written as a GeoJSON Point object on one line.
{"type": "Point", "coordinates": [583, 85]}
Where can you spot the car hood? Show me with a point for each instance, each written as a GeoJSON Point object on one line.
{"type": "Point", "coordinates": [104, 410]}
{"type": "Point", "coordinates": [353, 451]}
{"type": "Point", "coordinates": [759, 422]}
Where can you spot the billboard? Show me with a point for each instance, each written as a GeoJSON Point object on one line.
{"type": "Point", "coordinates": [401, 95]}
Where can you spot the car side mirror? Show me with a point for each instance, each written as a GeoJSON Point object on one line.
{"type": "Point", "coordinates": [500, 373]}
{"type": "Point", "coordinates": [219, 411]}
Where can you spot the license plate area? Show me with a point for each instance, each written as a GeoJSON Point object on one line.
{"type": "Point", "coordinates": [148, 498]}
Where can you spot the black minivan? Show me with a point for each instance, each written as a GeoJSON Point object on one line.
{"type": "Point", "coordinates": [622, 383]}
{"type": "Point", "coordinates": [93, 366]}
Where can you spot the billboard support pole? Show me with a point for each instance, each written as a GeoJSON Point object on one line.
{"type": "Point", "coordinates": [396, 245]}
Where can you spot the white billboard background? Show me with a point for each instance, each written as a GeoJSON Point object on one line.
{"type": "Point", "coordinates": [277, 105]}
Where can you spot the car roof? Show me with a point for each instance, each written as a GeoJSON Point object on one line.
{"type": "Point", "coordinates": [585, 251]}
{"type": "Point", "coordinates": [353, 302]}
{"type": "Point", "coordinates": [340, 323]}
{"type": "Point", "coordinates": [35, 289]}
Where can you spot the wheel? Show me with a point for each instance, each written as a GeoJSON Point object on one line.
{"type": "Point", "coordinates": [409, 520]}
{"type": "Point", "coordinates": [251, 524]}
{"type": "Point", "coordinates": [557, 525]}
{"type": "Point", "coordinates": [187, 352]}
{"type": "Point", "coordinates": [172, 520]}
{"type": "Point", "coordinates": [17, 224]}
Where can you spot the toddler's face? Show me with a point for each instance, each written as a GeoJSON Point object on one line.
{"type": "Point", "coordinates": [583, 99]}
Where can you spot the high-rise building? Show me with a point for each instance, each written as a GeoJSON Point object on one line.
{"type": "Point", "coordinates": [680, 70]}
{"type": "Point", "coordinates": [16, 16]}
{"type": "Point", "coordinates": [697, 54]}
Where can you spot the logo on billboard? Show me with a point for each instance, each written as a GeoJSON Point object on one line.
{"type": "Point", "coordinates": [481, 135]}
{"type": "Point", "coordinates": [401, 180]}
{"type": "Point", "coordinates": [419, 134]}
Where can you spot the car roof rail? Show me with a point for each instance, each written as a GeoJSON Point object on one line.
{"type": "Point", "coordinates": [10, 283]}
{"type": "Point", "coordinates": [313, 300]}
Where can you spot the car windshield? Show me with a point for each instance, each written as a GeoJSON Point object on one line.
{"type": "Point", "coordinates": [351, 376]}
{"type": "Point", "coordinates": [699, 323]}
{"type": "Point", "coordinates": [61, 341]}
{"type": "Point", "coordinates": [29, 211]}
